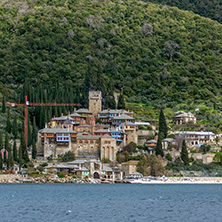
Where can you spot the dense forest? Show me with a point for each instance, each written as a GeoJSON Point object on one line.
{"type": "Point", "coordinates": [154, 54]}
{"type": "Point", "coordinates": [207, 8]}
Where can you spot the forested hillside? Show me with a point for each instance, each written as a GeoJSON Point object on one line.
{"type": "Point", "coordinates": [207, 8]}
{"type": "Point", "coordinates": [154, 54]}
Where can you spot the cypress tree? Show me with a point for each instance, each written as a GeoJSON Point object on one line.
{"type": "Point", "coordinates": [1, 142]}
{"type": "Point", "coordinates": [24, 149]}
{"type": "Point", "coordinates": [100, 81]}
{"type": "Point", "coordinates": [15, 155]}
{"type": "Point", "coordinates": [29, 134]}
{"type": "Point", "coordinates": [5, 157]}
{"type": "Point", "coordinates": [46, 117]}
{"type": "Point", "coordinates": [6, 142]}
{"type": "Point", "coordinates": [34, 150]}
{"type": "Point", "coordinates": [15, 127]}
{"type": "Point", "coordinates": [34, 131]}
{"type": "Point", "coordinates": [121, 103]}
{"type": "Point", "coordinates": [8, 123]}
{"type": "Point", "coordinates": [3, 105]}
{"type": "Point", "coordinates": [110, 102]}
{"type": "Point", "coordinates": [162, 124]}
{"type": "Point", "coordinates": [49, 113]}
{"type": "Point", "coordinates": [184, 153]}
{"type": "Point", "coordinates": [10, 160]}
{"type": "Point", "coordinates": [20, 156]}
{"type": "Point", "coordinates": [1, 161]}
{"type": "Point", "coordinates": [56, 111]}
{"type": "Point", "coordinates": [159, 149]}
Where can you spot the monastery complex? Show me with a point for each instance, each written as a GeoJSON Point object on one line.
{"type": "Point", "coordinates": [78, 132]}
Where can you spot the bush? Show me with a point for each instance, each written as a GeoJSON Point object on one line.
{"type": "Point", "coordinates": [40, 168]}
{"type": "Point", "coordinates": [61, 175]}
{"type": "Point", "coordinates": [134, 157]}
{"type": "Point", "coordinates": [49, 158]}
{"type": "Point", "coordinates": [191, 159]}
{"type": "Point", "coordinates": [205, 148]}
{"type": "Point", "coordinates": [69, 156]}
{"type": "Point", "coordinates": [169, 157]}
{"type": "Point", "coordinates": [105, 160]}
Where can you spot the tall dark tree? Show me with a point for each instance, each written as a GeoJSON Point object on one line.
{"type": "Point", "coordinates": [121, 102]}
{"type": "Point", "coordinates": [184, 153]}
{"type": "Point", "coordinates": [20, 159]}
{"type": "Point", "coordinates": [34, 150]}
{"type": "Point", "coordinates": [5, 157]}
{"type": "Point", "coordinates": [3, 105]}
{"type": "Point", "coordinates": [85, 91]}
{"type": "Point", "coordinates": [34, 131]}
{"type": "Point", "coordinates": [42, 117]}
{"type": "Point", "coordinates": [7, 145]}
{"type": "Point", "coordinates": [1, 142]}
{"type": "Point", "coordinates": [9, 160]}
{"type": "Point", "coordinates": [29, 134]}
{"type": "Point", "coordinates": [24, 149]}
{"type": "Point", "coordinates": [110, 102]}
{"type": "Point", "coordinates": [15, 153]}
{"type": "Point", "coordinates": [162, 124]}
{"type": "Point", "coordinates": [8, 123]}
{"type": "Point", "coordinates": [1, 161]}
{"type": "Point", "coordinates": [159, 149]}
{"type": "Point", "coordinates": [15, 128]}
{"type": "Point", "coordinates": [100, 81]}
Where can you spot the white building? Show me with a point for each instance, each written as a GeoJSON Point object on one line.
{"type": "Point", "coordinates": [193, 138]}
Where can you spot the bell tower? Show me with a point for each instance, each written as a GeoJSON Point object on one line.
{"type": "Point", "coordinates": [95, 102]}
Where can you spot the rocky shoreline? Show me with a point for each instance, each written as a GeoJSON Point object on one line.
{"type": "Point", "coordinates": [14, 178]}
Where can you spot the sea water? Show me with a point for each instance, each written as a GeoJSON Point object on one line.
{"type": "Point", "coordinates": [109, 202]}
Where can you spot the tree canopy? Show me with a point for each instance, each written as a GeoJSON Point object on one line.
{"type": "Point", "coordinates": [153, 52]}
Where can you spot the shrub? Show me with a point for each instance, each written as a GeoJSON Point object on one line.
{"type": "Point", "coordinates": [69, 156]}
{"type": "Point", "coordinates": [169, 157]}
{"type": "Point", "coordinates": [205, 148]}
{"type": "Point", "coordinates": [105, 160]}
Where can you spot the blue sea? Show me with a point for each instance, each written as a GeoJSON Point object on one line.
{"type": "Point", "coordinates": [110, 202]}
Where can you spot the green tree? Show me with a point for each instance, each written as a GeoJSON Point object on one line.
{"type": "Point", "coordinates": [15, 128]}
{"type": "Point", "coordinates": [20, 157]}
{"type": "Point", "coordinates": [24, 149]}
{"type": "Point", "coordinates": [69, 156]}
{"type": "Point", "coordinates": [169, 157]}
{"type": "Point", "coordinates": [8, 123]}
{"type": "Point", "coordinates": [143, 165]}
{"type": "Point", "coordinates": [9, 160]}
{"type": "Point", "coordinates": [15, 154]}
{"type": "Point", "coordinates": [5, 157]}
{"type": "Point", "coordinates": [29, 134]}
{"type": "Point", "coordinates": [162, 124]}
{"type": "Point", "coordinates": [34, 131]}
{"type": "Point", "coordinates": [121, 102]}
{"type": "Point", "coordinates": [34, 150]}
{"type": "Point", "coordinates": [3, 105]}
{"type": "Point", "coordinates": [159, 149]}
{"type": "Point", "coordinates": [1, 142]}
{"type": "Point", "coordinates": [184, 153]}
{"type": "Point", "coordinates": [1, 161]}
{"type": "Point", "coordinates": [218, 157]}
{"type": "Point", "coordinates": [6, 142]}
{"type": "Point", "coordinates": [205, 148]}
{"type": "Point", "coordinates": [151, 165]}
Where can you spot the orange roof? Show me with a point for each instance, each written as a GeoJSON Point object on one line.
{"type": "Point", "coordinates": [151, 144]}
